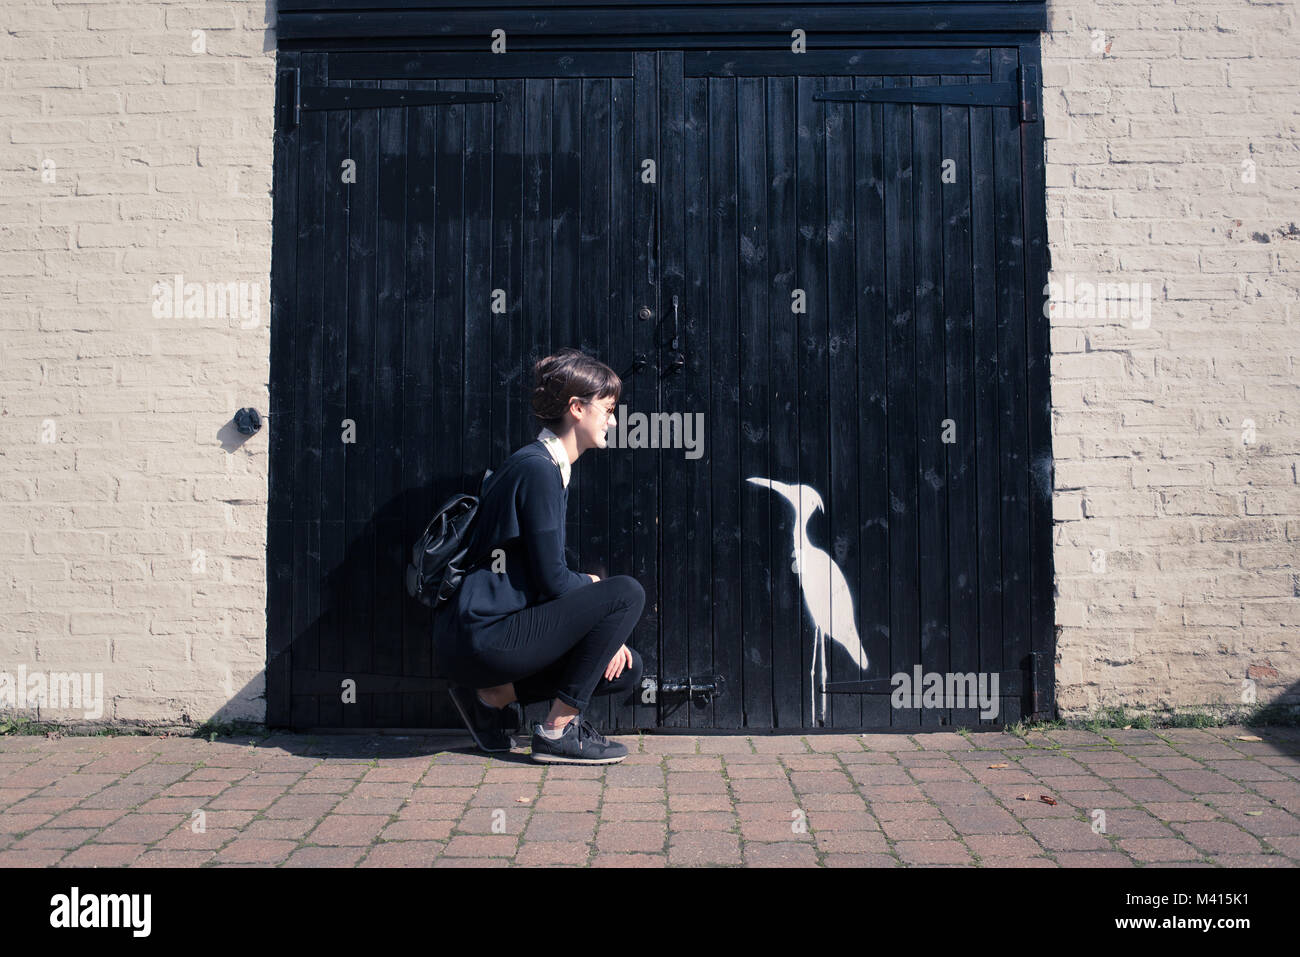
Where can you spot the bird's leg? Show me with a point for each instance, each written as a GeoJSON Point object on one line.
{"type": "Point", "coordinates": [817, 648]}
{"type": "Point", "coordinates": [812, 680]}
{"type": "Point", "coordinates": [823, 678]}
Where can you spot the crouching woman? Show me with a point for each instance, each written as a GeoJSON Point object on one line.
{"type": "Point", "coordinates": [523, 627]}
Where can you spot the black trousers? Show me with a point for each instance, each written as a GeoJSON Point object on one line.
{"type": "Point", "coordinates": [558, 649]}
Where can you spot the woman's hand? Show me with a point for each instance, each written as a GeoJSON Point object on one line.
{"type": "Point", "coordinates": [594, 578]}
{"type": "Point", "coordinates": [622, 659]}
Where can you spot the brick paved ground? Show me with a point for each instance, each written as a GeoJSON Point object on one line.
{"type": "Point", "coordinates": [1169, 798]}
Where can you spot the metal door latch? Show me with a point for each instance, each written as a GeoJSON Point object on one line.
{"type": "Point", "coordinates": [705, 686]}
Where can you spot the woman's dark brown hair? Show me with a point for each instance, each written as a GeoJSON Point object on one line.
{"type": "Point", "coordinates": [566, 374]}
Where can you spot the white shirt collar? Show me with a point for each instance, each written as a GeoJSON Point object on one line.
{"type": "Point", "coordinates": [556, 448]}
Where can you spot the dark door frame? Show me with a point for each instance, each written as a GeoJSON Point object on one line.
{"type": "Point", "coordinates": [431, 26]}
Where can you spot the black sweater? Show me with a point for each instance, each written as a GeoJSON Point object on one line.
{"type": "Point", "coordinates": [521, 510]}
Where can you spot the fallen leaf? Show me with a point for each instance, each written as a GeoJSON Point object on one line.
{"type": "Point", "coordinates": [1254, 813]}
{"type": "Point", "coordinates": [1249, 737]}
{"type": "Point", "coordinates": [522, 800]}
{"type": "Point", "coordinates": [997, 766]}
{"type": "Point", "coordinates": [1025, 797]}
{"type": "Point", "coordinates": [1128, 727]}
{"type": "Point", "coordinates": [1047, 800]}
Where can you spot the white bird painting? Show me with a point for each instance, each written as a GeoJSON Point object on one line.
{"type": "Point", "coordinates": [825, 589]}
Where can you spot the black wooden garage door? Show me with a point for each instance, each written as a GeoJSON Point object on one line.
{"type": "Point", "coordinates": [849, 237]}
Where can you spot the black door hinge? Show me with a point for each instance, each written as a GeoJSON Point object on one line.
{"type": "Point", "coordinates": [293, 98]}
{"type": "Point", "coordinates": [1028, 75]}
{"type": "Point", "coordinates": [286, 99]}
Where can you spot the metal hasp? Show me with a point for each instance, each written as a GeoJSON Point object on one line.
{"type": "Point", "coordinates": [1021, 94]}
{"type": "Point", "coordinates": [707, 687]}
{"type": "Point", "coordinates": [294, 98]}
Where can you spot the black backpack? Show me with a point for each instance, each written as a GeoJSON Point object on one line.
{"type": "Point", "coordinates": [439, 557]}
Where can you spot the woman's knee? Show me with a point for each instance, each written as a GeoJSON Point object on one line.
{"type": "Point", "coordinates": [629, 588]}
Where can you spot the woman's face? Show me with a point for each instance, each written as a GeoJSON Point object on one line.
{"type": "Point", "coordinates": [596, 416]}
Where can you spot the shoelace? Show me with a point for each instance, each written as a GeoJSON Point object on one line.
{"type": "Point", "coordinates": [585, 729]}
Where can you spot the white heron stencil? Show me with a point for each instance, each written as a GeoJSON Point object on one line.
{"type": "Point", "coordinates": [825, 589]}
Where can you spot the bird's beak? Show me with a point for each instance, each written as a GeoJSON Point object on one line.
{"type": "Point", "coordinates": [766, 483]}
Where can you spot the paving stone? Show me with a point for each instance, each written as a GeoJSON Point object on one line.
{"type": "Point", "coordinates": [918, 830]}
{"type": "Point", "coordinates": [244, 850]}
{"type": "Point", "coordinates": [699, 802]}
{"type": "Point", "coordinates": [141, 828]}
{"type": "Point", "coordinates": [577, 826]}
{"type": "Point", "coordinates": [347, 829]}
{"type": "Point", "coordinates": [166, 858]}
{"type": "Point", "coordinates": [905, 811]}
{"type": "Point", "coordinates": [969, 820]}
{"type": "Point", "coordinates": [553, 854]}
{"type": "Point", "coordinates": [350, 856]}
{"type": "Point", "coordinates": [635, 812]}
{"type": "Point", "coordinates": [843, 821]}
{"type": "Point", "coordinates": [631, 836]}
{"type": "Point", "coordinates": [1003, 845]}
{"type": "Point", "coordinates": [859, 860]}
{"type": "Point", "coordinates": [475, 845]}
{"type": "Point", "coordinates": [780, 855]}
{"type": "Point", "coordinates": [1159, 850]}
{"type": "Point", "coordinates": [932, 852]}
{"type": "Point", "coordinates": [1218, 837]}
{"type": "Point", "coordinates": [1094, 859]}
{"type": "Point", "coordinates": [701, 848]}
{"type": "Point", "coordinates": [629, 860]}
{"type": "Point", "coordinates": [851, 842]}
{"type": "Point", "coordinates": [1066, 835]}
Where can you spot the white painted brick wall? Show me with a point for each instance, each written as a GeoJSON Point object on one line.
{"type": "Point", "coordinates": [1147, 131]}
{"type": "Point", "coordinates": [163, 166]}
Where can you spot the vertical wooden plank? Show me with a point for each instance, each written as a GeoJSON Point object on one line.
{"type": "Point", "coordinates": [787, 635]}
{"type": "Point", "coordinates": [510, 379]}
{"type": "Point", "coordinates": [984, 317]}
{"type": "Point", "coordinates": [591, 331]}
{"type": "Point", "coordinates": [900, 290]}
{"type": "Point", "coordinates": [307, 408]}
{"type": "Point", "coordinates": [435, 340]}
{"type": "Point", "coordinates": [729, 494]}
{"type": "Point", "coordinates": [477, 385]}
{"type": "Point", "coordinates": [675, 523]}
{"type": "Point", "coordinates": [282, 426]}
{"type": "Point", "coordinates": [698, 387]}
{"type": "Point", "coordinates": [874, 613]}
{"type": "Point", "coordinates": [1013, 401]}
{"type": "Point", "coordinates": [759, 510]}
{"type": "Point", "coordinates": [476, 392]}
{"type": "Point", "coordinates": [392, 530]}
{"type": "Point", "coordinates": [813, 398]}
{"type": "Point", "coordinates": [536, 234]}
{"type": "Point", "coordinates": [931, 402]}
{"type": "Point", "coordinates": [566, 173]}
{"type": "Point", "coordinates": [428, 360]}
{"type": "Point", "coordinates": [624, 293]}
{"type": "Point", "coordinates": [843, 405]}
{"type": "Point", "coordinates": [959, 343]}
{"type": "Point", "coordinates": [645, 486]}
{"type": "Point", "coordinates": [1042, 625]}
{"type": "Point", "coordinates": [566, 187]}
{"type": "Point", "coordinates": [625, 189]}
{"type": "Point", "coordinates": [363, 331]}
{"type": "Point", "coordinates": [336, 569]}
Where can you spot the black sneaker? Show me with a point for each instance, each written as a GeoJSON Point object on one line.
{"type": "Point", "coordinates": [579, 744]}
{"type": "Point", "coordinates": [488, 726]}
